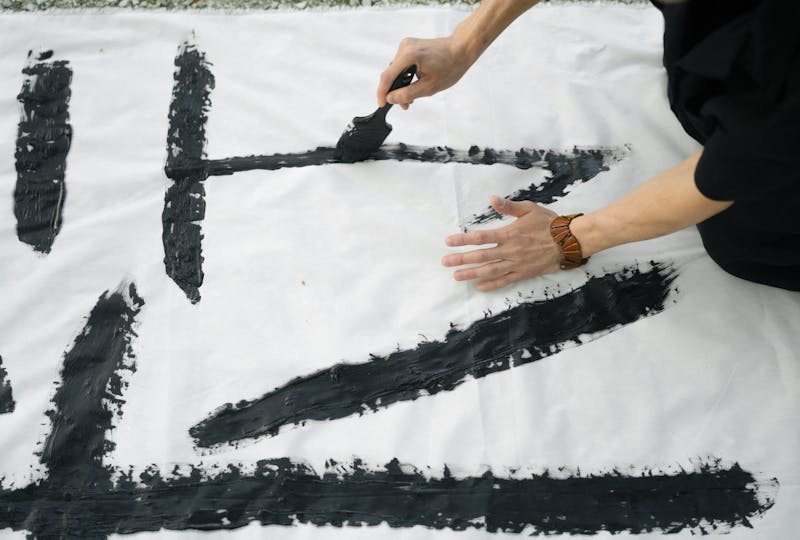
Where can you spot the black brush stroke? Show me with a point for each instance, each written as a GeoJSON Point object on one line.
{"type": "Point", "coordinates": [7, 403]}
{"type": "Point", "coordinates": [280, 492]}
{"type": "Point", "coordinates": [184, 201]}
{"type": "Point", "coordinates": [91, 387]}
{"type": "Point", "coordinates": [44, 136]}
{"type": "Point", "coordinates": [566, 170]}
{"type": "Point", "coordinates": [522, 334]}
{"type": "Point", "coordinates": [81, 498]}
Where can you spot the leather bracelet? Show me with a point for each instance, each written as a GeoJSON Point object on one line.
{"type": "Point", "coordinates": [571, 254]}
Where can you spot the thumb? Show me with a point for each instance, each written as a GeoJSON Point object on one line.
{"type": "Point", "coordinates": [507, 207]}
{"type": "Point", "coordinates": [408, 94]}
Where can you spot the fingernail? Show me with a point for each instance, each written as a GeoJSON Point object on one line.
{"type": "Point", "coordinates": [391, 99]}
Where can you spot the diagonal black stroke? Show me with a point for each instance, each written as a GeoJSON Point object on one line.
{"type": "Point", "coordinates": [188, 168]}
{"type": "Point", "coordinates": [83, 408]}
{"type": "Point", "coordinates": [7, 404]}
{"type": "Point", "coordinates": [44, 136]}
{"type": "Point", "coordinates": [81, 498]}
{"type": "Point", "coordinates": [91, 387]}
{"type": "Point", "coordinates": [522, 334]}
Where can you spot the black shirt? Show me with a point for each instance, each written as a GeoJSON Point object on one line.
{"type": "Point", "coordinates": [733, 69]}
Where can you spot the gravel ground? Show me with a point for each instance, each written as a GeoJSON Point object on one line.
{"type": "Point", "coordinates": [39, 5]}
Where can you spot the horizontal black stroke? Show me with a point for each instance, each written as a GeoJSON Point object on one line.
{"type": "Point", "coordinates": [525, 333]}
{"type": "Point", "coordinates": [44, 136]}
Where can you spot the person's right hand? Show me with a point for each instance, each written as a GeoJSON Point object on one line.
{"type": "Point", "coordinates": [440, 64]}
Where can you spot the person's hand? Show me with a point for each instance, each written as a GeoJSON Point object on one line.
{"type": "Point", "coordinates": [440, 64]}
{"type": "Point", "coordinates": [525, 248]}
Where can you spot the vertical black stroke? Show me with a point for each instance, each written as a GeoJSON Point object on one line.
{"type": "Point", "coordinates": [6, 396]}
{"type": "Point", "coordinates": [184, 202]}
{"type": "Point", "coordinates": [44, 136]}
{"type": "Point", "coordinates": [522, 334]}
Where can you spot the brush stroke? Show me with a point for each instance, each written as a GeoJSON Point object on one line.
{"type": "Point", "coordinates": [566, 170]}
{"type": "Point", "coordinates": [80, 497]}
{"type": "Point", "coordinates": [520, 335]}
{"type": "Point", "coordinates": [711, 498]}
{"type": "Point", "coordinates": [90, 391]}
{"type": "Point", "coordinates": [184, 201]}
{"type": "Point", "coordinates": [43, 141]}
{"type": "Point", "coordinates": [7, 403]}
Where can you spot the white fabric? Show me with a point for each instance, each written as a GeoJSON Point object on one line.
{"type": "Point", "coordinates": [716, 374]}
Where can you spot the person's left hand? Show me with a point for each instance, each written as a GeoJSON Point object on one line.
{"type": "Point", "coordinates": [525, 248]}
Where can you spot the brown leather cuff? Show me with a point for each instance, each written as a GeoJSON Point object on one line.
{"type": "Point", "coordinates": [571, 255]}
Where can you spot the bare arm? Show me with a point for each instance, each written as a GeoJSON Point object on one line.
{"type": "Point", "coordinates": [667, 203]}
{"type": "Point", "coordinates": [475, 33]}
{"type": "Point", "coordinates": [441, 62]}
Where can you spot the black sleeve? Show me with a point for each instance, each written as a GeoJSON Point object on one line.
{"type": "Point", "coordinates": [755, 151]}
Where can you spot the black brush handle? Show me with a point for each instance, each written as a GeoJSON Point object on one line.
{"type": "Point", "coordinates": [404, 79]}
{"type": "Point", "coordinates": [401, 81]}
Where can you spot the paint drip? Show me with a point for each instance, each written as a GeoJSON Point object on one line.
{"type": "Point", "coordinates": [43, 141]}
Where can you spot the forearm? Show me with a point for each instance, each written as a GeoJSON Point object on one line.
{"type": "Point", "coordinates": [475, 33]}
{"type": "Point", "coordinates": [667, 203]}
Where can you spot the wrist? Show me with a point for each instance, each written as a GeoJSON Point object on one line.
{"type": "Point", "coordinates": [584, 228]}
{"type": "Point", "coordinates": [464, 46]}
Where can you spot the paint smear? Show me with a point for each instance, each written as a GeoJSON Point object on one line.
{"type": "Point", "coordinates": [81, 498]}
{"type": "Point", "coordinates": [44, 136]}
{"type": "Point", "coordinates": [523, 334]}
{"type": "Point", "coordinates": [566, 170]}
{"type": "Point", "coordinates": [711, 498]}
{"type": "Point", "coordinates": [90, 392]}
{"type": "Point", "coordinates": [6, 396]}
{"type": "Point", "coordinates": [184, 202]}
{"type": "Point", "coordinates": [187, 167]}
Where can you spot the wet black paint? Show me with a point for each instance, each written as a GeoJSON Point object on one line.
{"type": "Point", "coordinates": [566, 170]}
{"type": "Point", "coordinates": [81, 497]}
{"type": "Point", "coordinates": [6, 396]}
{"type": "Point", "coordinates": [522, 334]}
{"type": "Point", "coordinates": [44, 136]}
{"type": "Point", "coordinates": [90, 392]}
{"type": "Point", "coordinates": [184, 202]}
{"type": "Point", "coordinates": [365, 134]}
{"type": "Point", "coordinates": [280, 492]}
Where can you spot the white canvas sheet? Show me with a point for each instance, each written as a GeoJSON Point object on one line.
{"type": "Point", "coordinates": [311, 266]}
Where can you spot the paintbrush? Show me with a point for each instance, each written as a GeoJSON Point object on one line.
{"type": "Point", "coordinates": [365, 134]}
